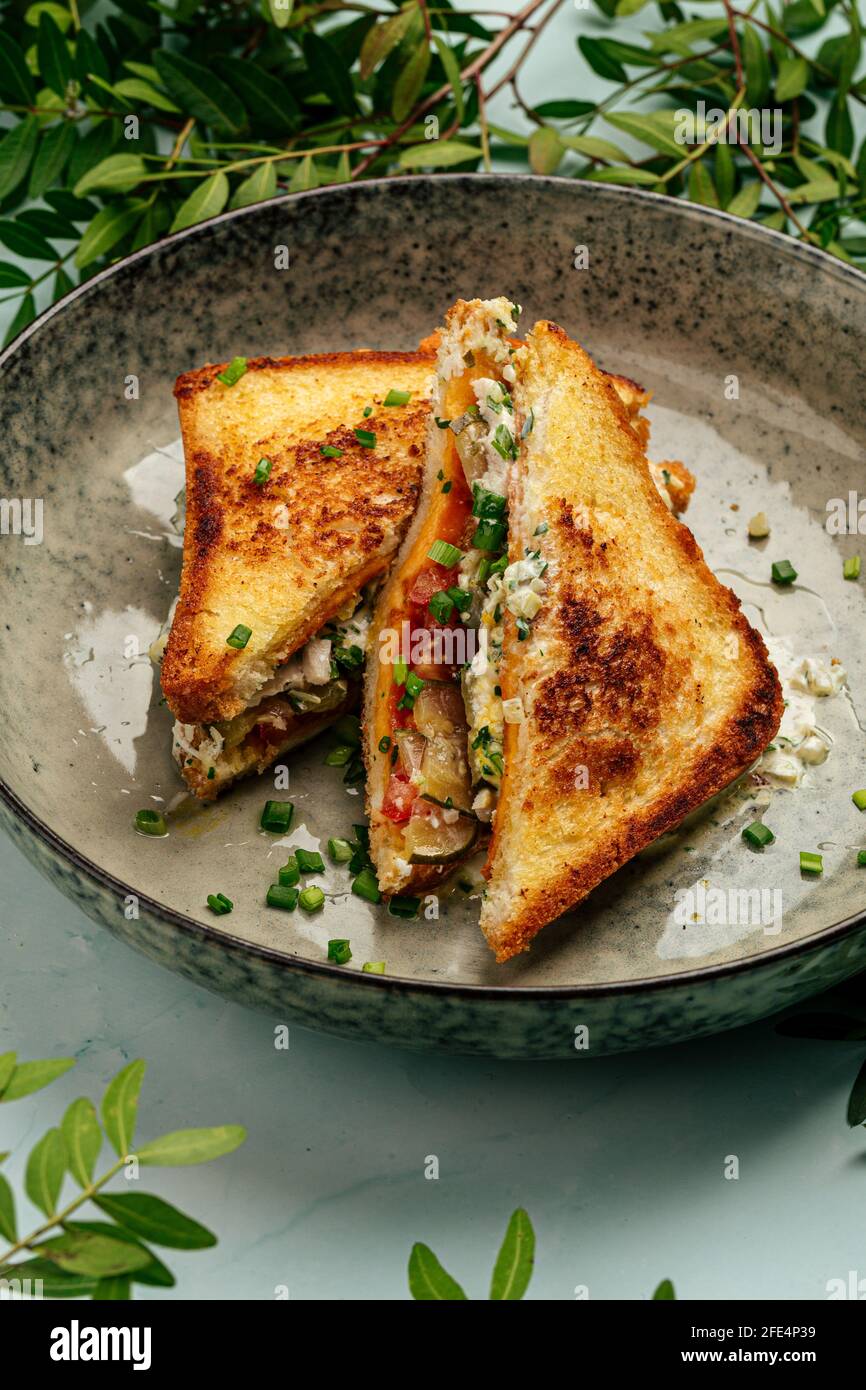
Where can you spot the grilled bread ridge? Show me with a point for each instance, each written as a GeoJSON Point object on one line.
{"type": "Point", "coordinates": [283, 555]}
{"type": "Point", "coordinates": [644, 690]}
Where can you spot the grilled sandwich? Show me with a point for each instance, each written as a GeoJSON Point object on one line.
{"type": "Point", "coordinates": [301, 477]}
{"type": "Point", "coordinates": [615, 684]}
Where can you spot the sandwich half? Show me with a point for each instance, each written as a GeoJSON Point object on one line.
{"type": "Point", "coordinates": [615, 684]}
{"type": "Point", "coordinates": [301, 477]}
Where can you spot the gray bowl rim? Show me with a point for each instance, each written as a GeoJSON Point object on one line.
{"type": "Point", "coordinates": [399, 984]}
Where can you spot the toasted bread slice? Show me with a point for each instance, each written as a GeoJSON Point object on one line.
{"type": "Point", "coordinates": [642, 688]}
{"type": "Point", "coordinates": [282, 556]}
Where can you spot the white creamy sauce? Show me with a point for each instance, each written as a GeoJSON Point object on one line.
{"type": "Point", "coordinates": [800, 742]}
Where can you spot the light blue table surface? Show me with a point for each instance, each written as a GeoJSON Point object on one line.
{"type": "Point", "coordinates": [620, 1162]}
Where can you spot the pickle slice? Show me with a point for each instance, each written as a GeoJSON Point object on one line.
{"type": "Point", "coordinates": [430, 839]}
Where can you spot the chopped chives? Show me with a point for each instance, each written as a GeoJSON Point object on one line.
{"type": "Point", "coordinates": [522, 629]}
{"type": "Point", "coordinates": [444, 553]}
{"type": "Point", "coordinates": [330, 452]}
{"type": "Point", "coordinates": [851, 567]}
{"type": "Point", "coordinates": [149, 822]}
{"type": "Point", "coordinates": [339, 851]}
{"type": "Point", "coordinates": [503, 442]}
{"type": "Point", "coordinates": [384, 743]}
{"type": "Point", "coordinates": [219, 904]}
{"type": "Point", "coordinates": [310, 861]}
{"type": "Point", "coordinates": [446, 487]}
{"type": "Point", "coordinates": [441, 424]}
{"type": "Point", "coordinates": [211, 773]}
{"type": "Point", "coordinates": [366, 885]}
{"type": "Point", "coordinates": [233, 372]}
{"type": "Point", "coordinates": [339, 950]}
{"type": "Point", "coordinates": [277, 816]}
{"type": "Point", "coordinates": [461, 598]}
{"type": "Point", "coordinates": [861, 858]}
{"type": "Point", "coordinates": [414, 684]}
{"type": "Point", "coordinates": [283, 896]}
{"type": "Point", "coordinates": [398, 398]}
{"type": "Point", "coordinates": [338, 757]}
{"type": "Point", "coordinates": [811, 863]}
{"type": "Point", "coordinates": [368, 411]}
{"type": "Point", "coordinates": [263, 471]}
{"type": "Point", "coordinates": [366, 438]}
{"type": "Point", "coordinates": [486, 504]}
{"type": "Point", "coordinates": [238, 637]}
{"type": "Point", "coordinates": [783, 572]}
{"type": "Point", "coordinates": [489, 535]}
{"type": "Point", "coordinates": [758, 835]}
{"type": "Point", "coordinates": [289, 875]}
{"type": "Point", "coordinates": [401, 671]}
{"type": "Point", "coordinates": [311, 899]}
{"type": "Point", "coordinates": [373, 967]}
{"type": "Point", "coordinates": [404, 907]}
{"type": "Point", "coordinates": [859, 799]}
{"type": "Point", "coordinates": [441, 606]}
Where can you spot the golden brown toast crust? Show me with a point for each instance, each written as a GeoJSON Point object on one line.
{"type": "Point", "coordinates": [645, 689]}
{"type": "Point", "coordinates": [283, 557]}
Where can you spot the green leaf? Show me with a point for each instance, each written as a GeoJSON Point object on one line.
{"type": "Point", "coordinates": [437, 154]}
{"type": "Point", "coordinates": [72, 208]}
{"type": "Point", "coordinates": [153, 1273]}
{"type": "Point", "coordinates": [85, 1252]}
{"type": "Point", "coordinates": [16, 82]}
{"type": "Point", "coordinates": [601, 61]}
{"type": "Point", "coordinates": [34, 13]}
{"type": "Point", "coordinates": [62, 285]}
{"type": "Point", "coordinates": [119, 173]}
{"type": "Point", "coordinates": [856, 1114]}
{"type": "Point", "coordinates": [513, 1269]}
{"type": "Point", "coordinates": [756, 65]}
{"type": "Point", "coordinates": [49, 223]}
{"type": "Point", "coordinates": [186, 1146]}
{"type": "Point", "coordinates": [304, 175]}
{"type": "Point", "coordinates": [653, 128]}
{"type": "Point", "coordinates": [136, 90]}
{"type": "Point", "coordinates": [280, 12]}
{"type": "Point", "coordinates": [563, 110]}
{"type": "Point", "coordinates": [594, 148]}
{"type": "Point", "coordinates": [207, 200]}
{"type": "Point", "coordinates": [410, 81]}
{"type": "Point", "coordinates": [46, 1166]}
{"type": "Point", "coordinates": [452, 72]}
{"type": "Point", "coordinates": [55, 62]}
{"type": "Point", "coordinates": [643, 177]}
{"type": "Point", "coordinates": [701, 187]}
{"type": "Point", "coordinates": [16, 154]}
{"type": "Point", "coordinates": [120, 1106]}
{"type": "Point", "coordinates": [108, 227]}
{"type": "Point", "coordinates": [89, 58]}
{"type": "Point", "coordinates": [199, 92]}
{"type": "Point", "coordinates": [92, 149]}
{"type": "Point", "coordinates": [383, 38]}
{"type": "Point", "coordinates": [625, 7]}
{"type": "Point", "coordinates": [545, 150]}
{"type": "Point", "coordinates": [261, 184]}
{"type": "Point", "coordinates": [839, 130]}
{"type": "Point", "coordinates": [81, 1135]}
{"type": "Point", "coordinates": [8, 1229]}
{"type": "Point", "coordinates": [8, 1059]}
{"type": "Point", "coordinates": [665, 1290]}
{"type": "Point", "coordinates": [153, 1219]}
{"type": "Point", "coordinates": [12, 277]}
{"type": "Point", "coordinates": [330, 73]}
{"type": "Point", "coordinates": [821, 191]}
{"type": "Point", "coordinates": [55, 150]}
{"type": "Point", "coordinates": [267, 98]}
{"type": "Point", "coordinates": [725, 173]}
{"type": "Point", "coordinates": [25, 315]}
{"type": "Point", "coordinates": [32, 1076]}
{"type": "Point", "coordinates": [55, 1284]}
{"type": "Point", "coordinates": [746, 202]}
{"type": "Point", "coordinates": [793, 78]}
{"type": "Point", "coordinates": [428, 1281]}
{"type": "Point", "coordinates": [108, 1290]}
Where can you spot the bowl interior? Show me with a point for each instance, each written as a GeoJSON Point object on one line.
{"type": "Point", "coordinates": [755, 350]}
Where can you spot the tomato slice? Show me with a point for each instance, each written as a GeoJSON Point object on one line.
{"type": "Point", "coordinates": [429, 582]}
{"type": "Point", "coordinates": [399, 796]}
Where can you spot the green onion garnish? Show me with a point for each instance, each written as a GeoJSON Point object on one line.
{"type": "Point", "coordinates": [414, 684]}
{"type": "Point", "coordinates": [489, 535]}
{"type": "Point", "coordinates": [330, 452]}
{"type": "Point", "coordinates": [277, 816]}
{"type": "Point", "coordinates": [401, 671]}
{"type": "Point", "coordinates": [311, 899]}
{"type": "Point", "coordinates": [404, 907]}
{"type": "Point", "coordinates": [219, 904]}
{"type": "Point", "coordinates": [861, 858]}
{"type": "Point", "coordinates": [233, 372]}
{"type": "Point", "coordinates": [289, 874]}
{"type": "Point", "coordinates": [811, 863]}
{"type": "Point", "coordinates": [362, 835]}
{"type": "Point", "coordinates": [398, 398]}
{"type": "Point", "coordinates": [340, 951]}
{"type": "Point", "coordinates": [263, 471]}
{"type": "Point", "coordinates": [504, 443]}
{"type": "Point", "coordinates": [339, 851]}
{"type": "Point", "coordinates": [366, 438]}
{"type": "Point", "coordinates": [355, 772]}
{"type": "Point", "coordinates": [499, 566]}
{"type": "Point", "coordinates": [758, 835]}
{"type": "Point", "coordinates": [444, 553]}
{"type": "Point", "coordinates": [149, 822]}
{"type": "Point", "coordinates": [446, 487]}
{"type": "Point", "coordinates": [522, 629]}
{"type": "Point", "coordinates": [487, 504]}
{"type": "Point", "coordinates": [441, 606]}
{"type": "Point", "coordinates": [338, 757]}
{"type": "Point", "coordinates": [373, 967]}
{"type": "Point", "coordinates": [783, 572]}
{"type": "Point", "coordinates": [368, 411]}
{"type": "Point", "coordinates": [283, 896]}
{"type": "Point", "coordinates": [384, 743]}
{"type": "Point", "coordinates": [239, 636]}
{"type": "Point", "coordinates": [310, 861]}
{"type": "Point", "coordinates": [851, 567]}
{"type": "Point", "coordinates": [366, 886]}
{"type": "Point", "coordinates": [859, 799]}
{"type": "Point", "coordinates": [441, 424]}
{"type": "Point", "coordinates": [461, 598]}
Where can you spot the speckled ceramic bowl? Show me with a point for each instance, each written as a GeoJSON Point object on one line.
{"type": "Point", "coordinates": [755, 348]}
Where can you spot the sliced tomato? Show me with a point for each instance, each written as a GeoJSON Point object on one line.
{"type": "Point", "coordinates": [399, 796]}
{"type": "Point", "coordinates": [429, 582]}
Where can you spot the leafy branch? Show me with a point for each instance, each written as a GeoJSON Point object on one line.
{"type": "Point", "coordinates": [121, 129]}
{"type": "Point", "coordinates": [100, 1259]}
